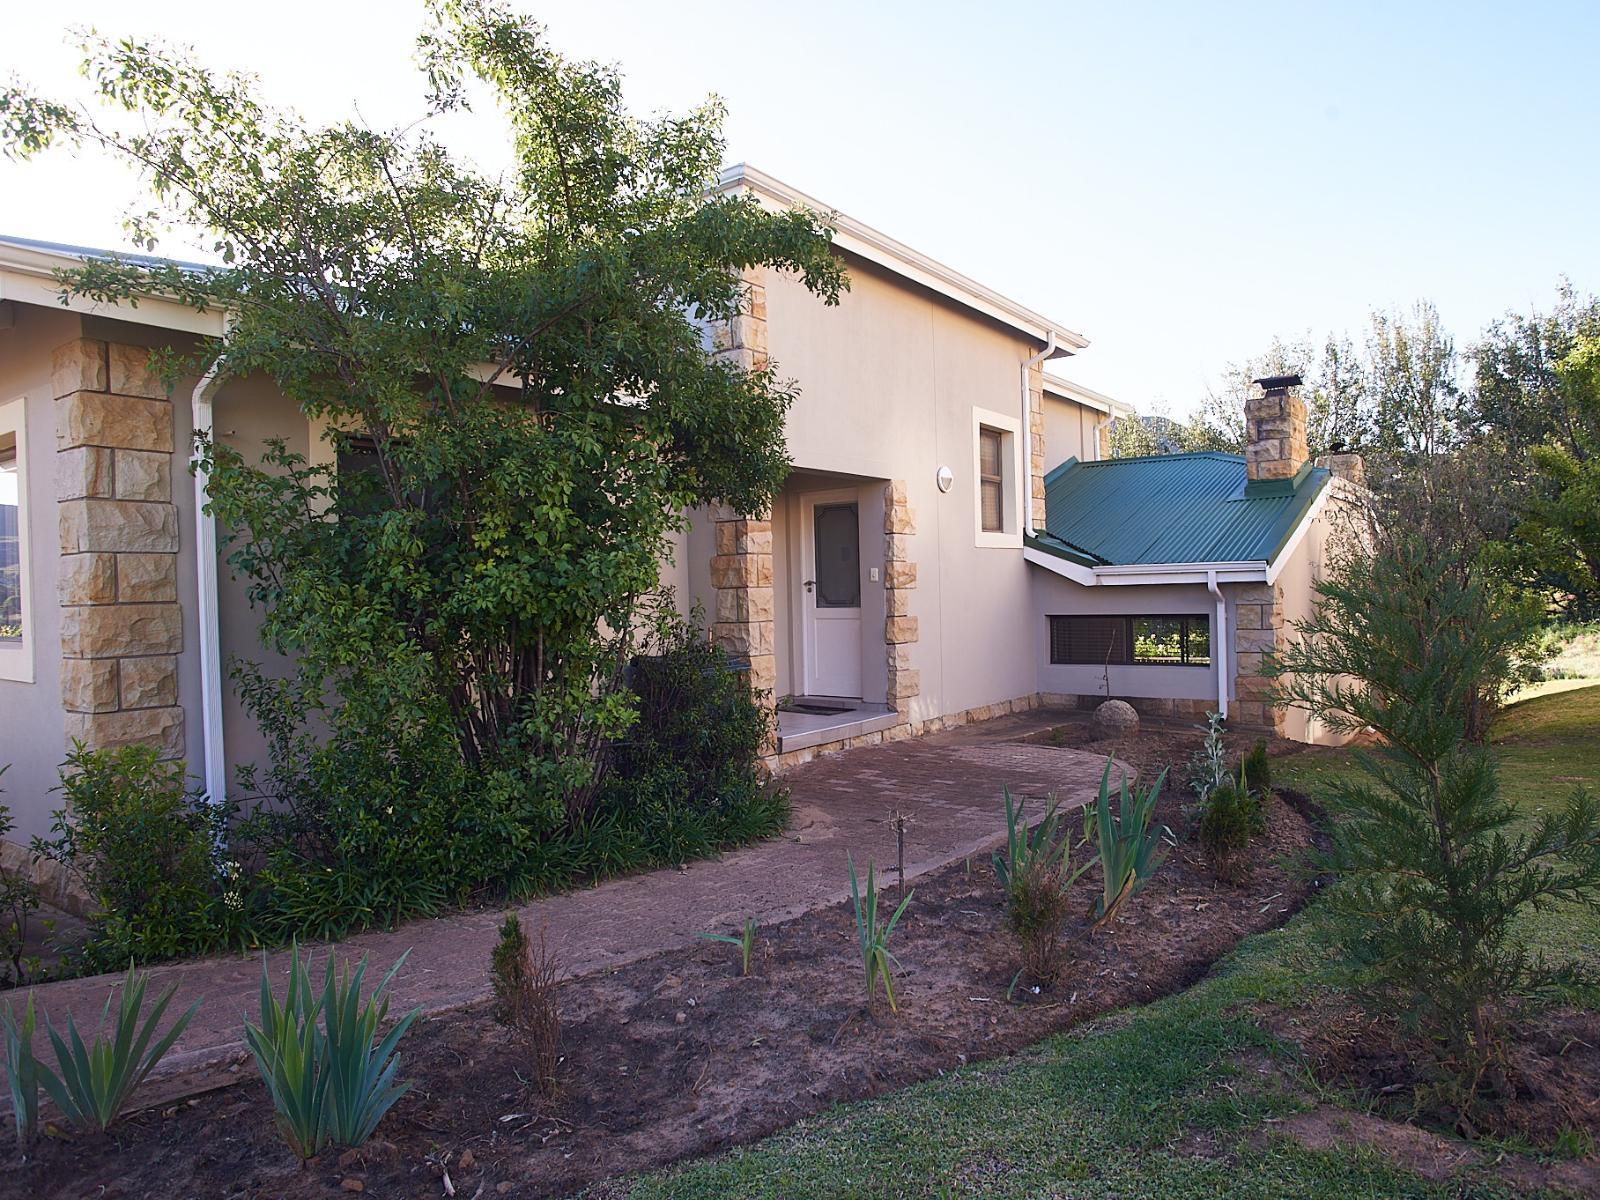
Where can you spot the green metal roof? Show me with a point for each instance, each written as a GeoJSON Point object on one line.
{"type": "Point", "coordinates": [1171, 508]}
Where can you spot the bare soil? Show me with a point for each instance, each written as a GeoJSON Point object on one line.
{"type": "Point", "coordinates": [676, 1055]}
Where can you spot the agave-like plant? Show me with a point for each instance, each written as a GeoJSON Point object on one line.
{"type": "Point", "coordinates": [875, 957]}
{"type": "Point", "coordinates": [1025, 847]}
{"type": "Point", "coordinates": [288, 1049]}
{"type": "Point", "coordinates": [22, 1070]}
{"type": "Point", "coordinates": [1129, 844]}
{"type": "Point", "coordinates": [333, 1082]}
{"type": "Point", "coordinates": [96, 1080]}
{"type": "Point", "coordinates": [361, 1086]}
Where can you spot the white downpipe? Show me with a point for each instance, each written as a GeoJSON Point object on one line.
{"type": "Point", "coordinates": [1027, 425]}
{"type": "Point", "coordinates": [1219, 642]}
{"type": "Point", "coordinates": [216, 764]}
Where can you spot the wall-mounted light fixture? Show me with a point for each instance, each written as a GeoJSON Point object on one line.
{"type": "Point", "coordinates": [945, 478]}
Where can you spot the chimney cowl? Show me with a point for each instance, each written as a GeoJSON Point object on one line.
{"type": "Point", "coordinates": [1278, 383]}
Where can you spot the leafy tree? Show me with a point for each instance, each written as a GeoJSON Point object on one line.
{"type": "Point", "coordinates": [1563, 516]}
{"type": "Point", "coordinates": [1534, 404]}
{"type": "Point", "coordinates": [1415, 398]}
{"type": "Point", "coordinates": [1416, 643]}
{"type": "Point", "coordinates": [520, 363]}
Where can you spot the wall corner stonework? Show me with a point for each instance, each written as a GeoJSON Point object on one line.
{"type": "Point", "coordinates": [121, 623]}
{"type": "Point", "coordinates": [899, 579]}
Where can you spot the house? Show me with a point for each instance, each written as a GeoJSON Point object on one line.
{"type": "Point", "coordinates": [949, 546]}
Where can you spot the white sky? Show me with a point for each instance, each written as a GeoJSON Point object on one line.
{"type": "Point", "coordinates": [1178, 182]}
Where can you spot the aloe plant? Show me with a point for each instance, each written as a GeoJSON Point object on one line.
{"type": "Point", "coordinates": [96, 1080]}
{"type": "Point", "coordinates": [332, 1083]}
{"type": "Point", "coordinates": [1129, 845]}
{"type": "Point", "coordinates": [875, 957]}
{"type": "Point", "coordinates": [746, 941]}
{"type": "Point", "coordinates": [22, 1070]}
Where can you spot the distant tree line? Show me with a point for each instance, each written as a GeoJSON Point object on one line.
{"type": "Point", "coordinates": [1500, 442]}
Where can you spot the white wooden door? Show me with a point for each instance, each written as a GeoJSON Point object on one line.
{"type": "Point", "coordinates": [831, 594]}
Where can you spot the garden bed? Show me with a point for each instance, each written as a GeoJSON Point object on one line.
{"type": "Point", "coordinates": [677, 1056]}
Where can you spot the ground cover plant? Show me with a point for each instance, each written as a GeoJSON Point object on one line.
{"type": "Point", "coordinates": [463, 591]}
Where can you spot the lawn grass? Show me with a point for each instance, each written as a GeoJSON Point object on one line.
{"type": "Point", "coordinates": [1161, 1101]}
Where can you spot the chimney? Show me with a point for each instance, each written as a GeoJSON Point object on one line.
{"type": "Point", "coordinates": [1275, 430]}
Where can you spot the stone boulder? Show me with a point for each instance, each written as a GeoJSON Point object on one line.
{"type": "Point", "coordinates": [1116, 718]}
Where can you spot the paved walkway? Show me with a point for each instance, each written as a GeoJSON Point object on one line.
{"type": "Point", "coordinates": [951, 783]}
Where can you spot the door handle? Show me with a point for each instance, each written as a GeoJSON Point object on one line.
{"type": "Point", "coordinates": [810, 583]}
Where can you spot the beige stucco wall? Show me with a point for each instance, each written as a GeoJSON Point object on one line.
{"type": "Point", "coordinates": [1301, 571]}
{"type": "Point", "coordinates": [1053, 595]}
{"type": "Point", "coordinates": [32, 721]}
{"type": "Point", "coordinates": [1069, 432]}
{"type": "Point", "coordinates": [889, 380]}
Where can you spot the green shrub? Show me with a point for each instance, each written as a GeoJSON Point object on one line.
{"type": "Point", "coordinates": [1257, 769]}
{"type": "Point", "coordinates": [1036, 875]}
{"type": "Point", "coordinates": [687, 776]}
{"type": "Point", "coordinates": [1228, 819]}
{"type": "Point", "coordinates": [143, 849]}
{"type": "Point", "coordinates": [524, 975]}
{"type": "Point", "coordinates": [96, 1080]}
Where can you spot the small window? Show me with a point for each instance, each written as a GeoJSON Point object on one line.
{"type": "Point", "coordinates": [1173, 641]}
{"type": "Point", "coordinates": [11, 589]}
{"type": "Point", "coordinates": [991, 479]}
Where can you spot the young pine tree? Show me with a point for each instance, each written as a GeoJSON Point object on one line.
{"type": "Point", "coordinates": [1436, 865]}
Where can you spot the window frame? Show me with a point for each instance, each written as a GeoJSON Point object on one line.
{"type": "Point", "coordinates": [1009, 431]}
{"type": "Point", "coordinates": [1125, 634]}
{"type": "Point", "coordinates": [16, 658]}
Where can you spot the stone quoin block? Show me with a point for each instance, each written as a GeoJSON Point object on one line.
{"type": "Point", "coordinates": [89, 684]}
{"type": "Point", "coordinates": [123, 422]}
{"type": "Point", "coordinates": [88, 579]}
{"type": "Point", "coordinates": [131, 525]}
{"type": "Point", "coordinates": [119, 630]}
{"type": "Point", "coordinates": [159, 727]}
{"type": "Point", "coordinates": [78, 366]}
{"type": "Point", "coordinates": [146, 578]}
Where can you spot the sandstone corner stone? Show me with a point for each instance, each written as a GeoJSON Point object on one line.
{"type": "Point", "coordinates": [78, 366]}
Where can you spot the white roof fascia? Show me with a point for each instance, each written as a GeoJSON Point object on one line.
{"type": "Point", "coordinates": [1069, 570]}
{"type": "Point", "coordinates": [1054, 385]}
{"type": "Point", "coordinates": [27, 275]}
{"type": "Point", "coordinates": [1147, 574]}
{"type": "Point", "coordinates": [862, 240]}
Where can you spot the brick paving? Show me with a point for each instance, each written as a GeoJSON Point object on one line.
{"type": "Point", "coordinates": [949, 782]}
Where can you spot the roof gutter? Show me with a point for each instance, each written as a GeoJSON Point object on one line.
{"type": "Point", "coordinates": [215, 760]}
{"type": "Point", "coordinates": [1027, 422]}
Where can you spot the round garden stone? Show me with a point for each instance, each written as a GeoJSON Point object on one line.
{"type": "Point", "coordinates": [1116, 718]}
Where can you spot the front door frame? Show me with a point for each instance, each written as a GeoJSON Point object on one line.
{"type": "Point", "coordinates": [809, 640]}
